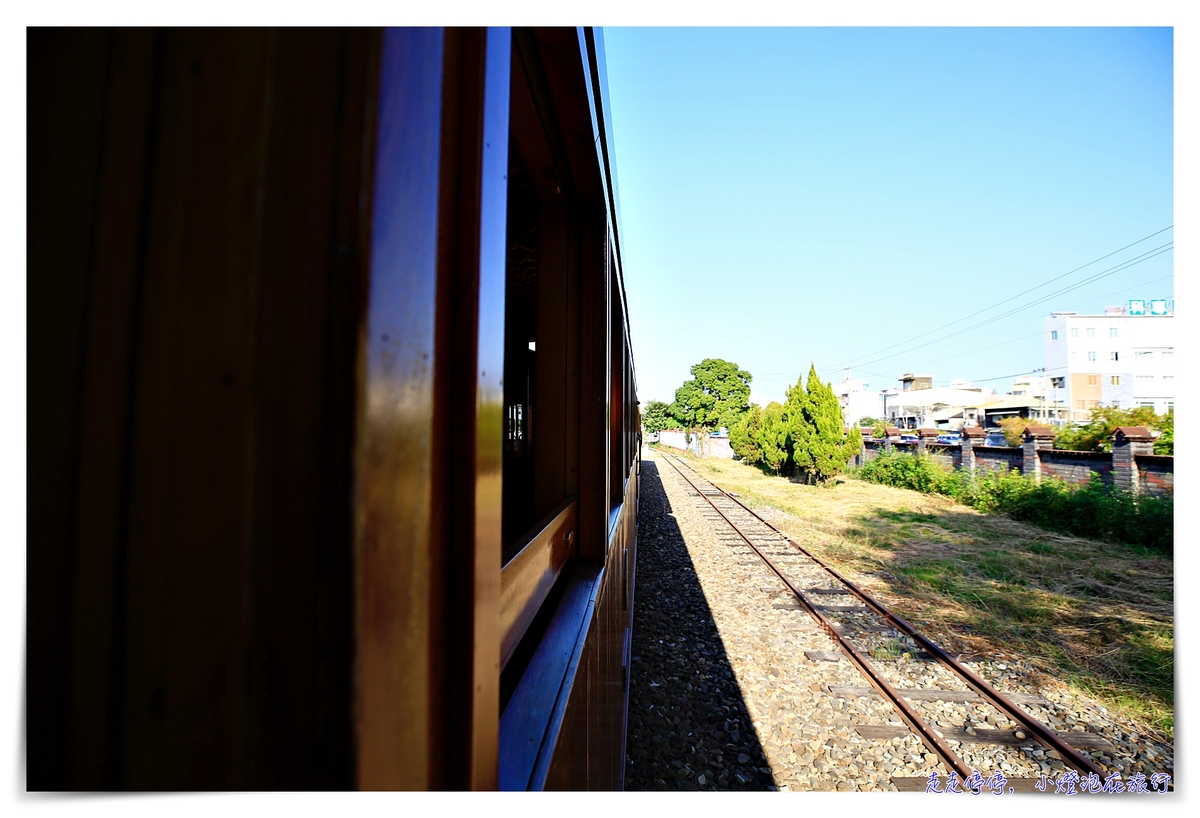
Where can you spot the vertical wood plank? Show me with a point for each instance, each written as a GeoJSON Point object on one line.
{"type": "Point", "coordinates": [190, 498]}
{"type": "Point", "coordinates": [67, 72]}
{"type": "Point", "coordinates": [106, 432]}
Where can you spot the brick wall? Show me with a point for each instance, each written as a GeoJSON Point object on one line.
{"type": "Point", "coordinates": [1156, 475]}
{"type": "Point", "coordinates": [998, 458]}
{"type": "Point", "coordinates": [870, 450]}
{"type": "Point", "coordinates": [1076, 468]}
{"type": "Point", "coordinates": [947, 454]}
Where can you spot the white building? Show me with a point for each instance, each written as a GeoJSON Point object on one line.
{"type": "Point", "coordinates": [1031, 385]}
{"type": "Point", "coordinates": [857, 401]}
{"type": "Point", "coordinates": [1121, 358]}
{"type": "Point", "coordinates": [920, 404]}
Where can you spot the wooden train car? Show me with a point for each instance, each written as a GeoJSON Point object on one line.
{"type": "Point", "coordinates": [333, 431]}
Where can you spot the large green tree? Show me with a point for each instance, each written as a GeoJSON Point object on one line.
{"type": "Point", "coordinates": [821, 448]}
{"type": "Point", "coordinates": [716, 396]}
{"type": "Point", "coordinates": [655, 416]}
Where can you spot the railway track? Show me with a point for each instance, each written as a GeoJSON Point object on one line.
{"type": "Point", "coordinates": [956, 718]}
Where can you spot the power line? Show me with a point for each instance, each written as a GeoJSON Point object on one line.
{"type": "Point", "coordinates": [778, 376]}
{"type": "Point", "coordinates": [1002, 377]}
{"type": "Point", "coordinates": [926, 363]}
{"type": "Point", "coordinates": [1125, 265]}
{"type": "Point", "coordinates": [1011, 298]}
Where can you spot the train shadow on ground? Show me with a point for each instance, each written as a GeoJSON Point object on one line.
{"type": "Point", "coordinates": [689, 727]}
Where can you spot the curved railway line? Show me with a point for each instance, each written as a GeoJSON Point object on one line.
{"type": "Point", "coordinates": [874, 639]}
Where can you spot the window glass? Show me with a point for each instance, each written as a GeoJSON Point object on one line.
{"type": "Point", "coordinates": [1074, 332]}
{"type": "Point", "coordinates": [1053, 335]}
{"type": "Point", "coordinates": [1112, 332]}
{"type": "Point", "coordinates": [1168, 353]}
{"type": "Point", "coordinates": [1114, 356]}
{"type": "Point", "coordinates": [1091, 356]}
{"type": "Point", "coordinates": [1093, 380]}
{"type": "Point", "coordinates": [1091, 332]}
{"type": "Point", "coordinates": [1144, 353]}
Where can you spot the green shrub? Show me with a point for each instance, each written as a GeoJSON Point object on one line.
{"type": "Point", "coordinates": [1094, 510]}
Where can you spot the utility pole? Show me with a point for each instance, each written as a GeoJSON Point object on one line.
{"type": "Point", "coordinates": [1042, 395]}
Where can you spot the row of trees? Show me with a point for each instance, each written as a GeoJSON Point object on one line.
{"type": "Point", "coordinates": [802, 436]}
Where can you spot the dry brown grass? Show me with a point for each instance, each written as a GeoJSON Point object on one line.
{"type": "Point", "coordinates": [1097, 616]}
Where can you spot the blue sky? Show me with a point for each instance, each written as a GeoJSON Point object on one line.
{"type": "Point", "coordinates": [821, 194]}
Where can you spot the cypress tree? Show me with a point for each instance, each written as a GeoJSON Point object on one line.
{"type": "Point", "coordinates": [773, 438]}
{"type": "Point", "coordinates": [743, 435]}
{"type": "Point", "coordinates": [820, 447]}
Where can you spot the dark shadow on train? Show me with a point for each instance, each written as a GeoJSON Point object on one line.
{"type": "Point", "coordinates": [687, 717]}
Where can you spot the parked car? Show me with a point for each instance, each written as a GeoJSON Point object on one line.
{"type": "Point", "coordinates": [953, 438]}
{"type": "Point", "coordinates": [908, 438]}
{"type": "Point", "coordinates": [995, 439]}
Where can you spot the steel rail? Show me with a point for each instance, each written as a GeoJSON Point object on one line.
{"type": "Point", "coordinates": [1043, 734]}
{"type": "Point", "coordinates": [918, 725]}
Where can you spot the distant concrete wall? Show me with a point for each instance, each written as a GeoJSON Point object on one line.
{"type": "Point", "coordinates": [673, 438]}
{"type": "Point", "coordinates": [717, 447]}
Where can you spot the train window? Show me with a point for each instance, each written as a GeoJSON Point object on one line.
{"type": "Point", "coordinates": [617, 460]}
{"type": "Point", "coordinates": [541, 324]}
{"type": "Point", "coordinates": [520, 350]}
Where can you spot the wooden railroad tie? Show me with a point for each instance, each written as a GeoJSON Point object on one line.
{"type": "Point", "coordinates": [824, 655]}
{"type": "Point", "coordinates": [883, 732]}
{"type": "Point", "coordinates": [929, 695]}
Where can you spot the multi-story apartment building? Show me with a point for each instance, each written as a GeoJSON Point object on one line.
{"type": "Point", "coordinates": [1125, 358]}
